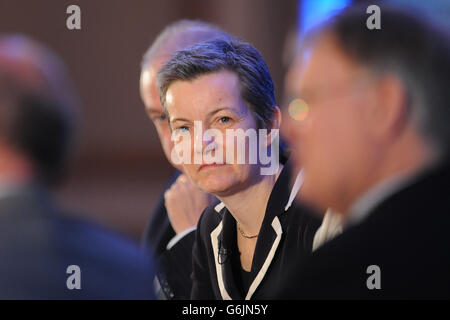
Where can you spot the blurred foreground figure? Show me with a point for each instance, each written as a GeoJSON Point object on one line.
{"type": "Point", "coordinates": [372, 136]}
{"type": "Point", "coordinates": [43, 253]}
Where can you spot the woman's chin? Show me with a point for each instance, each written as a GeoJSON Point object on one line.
{"type": "Point", "coordinates": [217, 184]}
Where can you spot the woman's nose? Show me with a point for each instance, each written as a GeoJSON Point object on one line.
{"type": "Point", "coordinates": [203, 143]}
{"type": "Point", "coordinates": [199, 144]}
{"type": "Point", "coordinates": [209, 146]}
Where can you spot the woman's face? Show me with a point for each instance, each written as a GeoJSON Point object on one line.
{"type": "Point", "coordinates": [213, 101]}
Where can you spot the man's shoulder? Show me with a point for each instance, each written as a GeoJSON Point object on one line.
{"type": "Point", "coordinates": [38, 246]}
{"type": "Point", "coordinates": [415, 215]}
{"type": "Point", "coordinates": [406, 237]}
{"type": "Point", "coordinates": [58, 233]}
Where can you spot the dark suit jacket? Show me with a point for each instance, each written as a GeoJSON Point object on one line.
{"type": "Point", "coordinates": [159, 231]}
{"type": "Point", "coordinates": [285, 237]}
{"type": "Point", "coordinates": [38, 244]}
{"type": "Point", "coordinates": [407, 236]}
{"type": "Point", "coordinates": [174, 273]}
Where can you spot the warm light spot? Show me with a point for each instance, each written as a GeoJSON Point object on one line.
{"type": "Point", "coordinates": [298, 109]}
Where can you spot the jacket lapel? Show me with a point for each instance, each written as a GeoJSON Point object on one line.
{"type": "Point", "coordinates": [216, 236]}
{"type": "Point", "coordinates": [223, 240]}
{"type": "Point", "coordinates": [272, 245]}
{"type": "Point", "coordinates": [271, 231]}
{"type": "Point", "coordinates": [268, 240]}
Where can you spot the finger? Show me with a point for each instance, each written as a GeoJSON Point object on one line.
{"type": "Point", "coordinates": [167, 194]}
{"type": "Point", "coordinates": [182, 178]}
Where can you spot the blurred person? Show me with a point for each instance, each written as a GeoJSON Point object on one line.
{"type": "Point", "coordinates": [170, 232]}
{"type": "Point", "coordinates": [373, 142]}
{"type": "Point", "coordinates": [245, 243]}
{"type": "Point", "coordinates": [292, 112]}
{"type": "Point", "coordinates": [40, 244]}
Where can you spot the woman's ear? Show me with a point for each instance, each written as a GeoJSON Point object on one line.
{"type": "Point", "coordinates": [274, 129]}
{"type": "Point", "coordinates": [277, 118]}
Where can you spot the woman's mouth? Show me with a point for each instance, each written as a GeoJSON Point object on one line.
{"type": "Point", "coordinates": [210, 166]}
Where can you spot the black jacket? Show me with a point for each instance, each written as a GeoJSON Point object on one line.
{"type": "Point", "coordinates": [407, 236]}
{"type": "Point", "coordinates": [285, 236]}
{"type": "Point", "coordinates": [174, 272]}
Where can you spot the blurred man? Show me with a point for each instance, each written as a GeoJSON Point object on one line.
{"type": "Point", "coordinates": [44, 254]}
{"type": "Point", "coordinates": [331, 224]}
{"type": "Point", "coordinates": [170, 232]}
{"type": "Point", "coordinates": [373, 139]}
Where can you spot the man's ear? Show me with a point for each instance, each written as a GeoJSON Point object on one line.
{"type": "Point", "coordinates": [389, 113]}
{"type": "Point", "coordinates": [275, 124]}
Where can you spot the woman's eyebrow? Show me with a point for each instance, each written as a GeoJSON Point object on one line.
{"type": "Point", "coordinates": [211, 113]}
{"type": "Point", "coordinates": [180, 119]}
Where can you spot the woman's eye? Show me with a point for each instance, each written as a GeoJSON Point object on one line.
{"type": "Point", "coordinates": [183, 129]}
{"type": "Point", "coordinates": [224, 119]}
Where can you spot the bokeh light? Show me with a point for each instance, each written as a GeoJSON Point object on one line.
{"type": "Point", "coordinates": [298, 109]}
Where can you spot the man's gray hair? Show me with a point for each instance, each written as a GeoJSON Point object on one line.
{"type": "Point", "coordinates": [179, 35]}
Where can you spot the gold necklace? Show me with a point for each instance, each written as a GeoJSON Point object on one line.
{"type": "Point", "coordinates": [244, 235]}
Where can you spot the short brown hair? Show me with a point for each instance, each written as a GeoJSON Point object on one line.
{"type": "Point", "coordinates": [240, 57]}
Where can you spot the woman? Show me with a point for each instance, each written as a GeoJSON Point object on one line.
{"type": "Point", "coordinates": [244, 244]}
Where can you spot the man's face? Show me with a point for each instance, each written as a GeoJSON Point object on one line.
{"type": "Point", "coordinates": [214, 101]}
{"type": "Point", "coordinates": [150, 96]}
{"type": "Point", "coordinates": [330, 139]}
